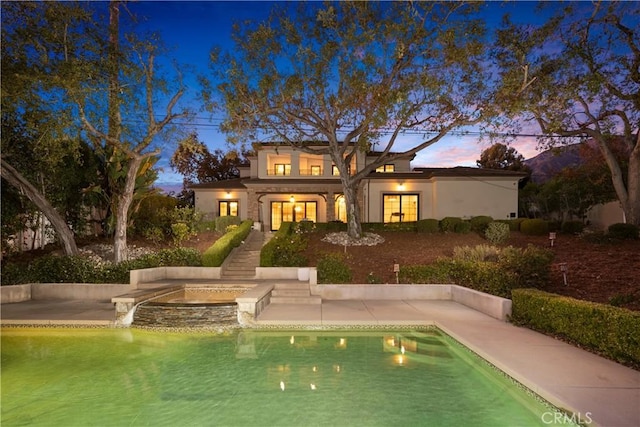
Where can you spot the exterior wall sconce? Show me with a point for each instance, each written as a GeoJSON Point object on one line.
{"type": "Point", "coordinates": [401, 186]}
{"type": "Point", "coordinates": [292, 199]}
{"type": "Point", "coordinates": [227, 195]}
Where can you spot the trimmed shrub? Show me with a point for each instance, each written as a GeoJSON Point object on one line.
{"type": "Point", "coordinates": [514, 224]}
{"type": "Point", "coordinates": [215, 255]}
{"type": "Point", "coordinates": [611, 331]}
{"type": "Point", "coordinates": [448, 224]}
{"type": "Point", "coordinates": [223, 222]}
{"type": "Point", "coordinates": [439, 272]}
{"type": "Point", "coordinates": [463, 227]}
{"type": "Point", "coordinates": [623, 231]}
{"type": "Point", "coordinates": [534, 227]}
{"type": "Point", "coordinates": [333, 269]}
{"type": "Point", "coordinates": [479, 223]}
{"type": "Point", "coordinates": [572, 227]}
{"type": "Point", "coordinates": [428, 226]}
{"type": "Point", "coordinates": [497, 232]}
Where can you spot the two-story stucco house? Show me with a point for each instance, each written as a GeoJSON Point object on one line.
{"type": "Point", "coordinates": [283, 184]}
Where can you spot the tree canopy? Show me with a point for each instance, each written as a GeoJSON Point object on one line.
{"type": "Point", "coordinates": [578, 76]}
{"type": "Point", "coordinates": [354, 76]}
{"type": "Point", "coordinates": [501, 156]}
{"type": "Point", "coordinates": [69, 75]}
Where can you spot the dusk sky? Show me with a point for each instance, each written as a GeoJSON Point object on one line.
{"type": "Point", "coordinates": [192, 28]}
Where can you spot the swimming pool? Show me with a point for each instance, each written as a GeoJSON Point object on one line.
{"type": "Point", "coordinates": [79, 377]}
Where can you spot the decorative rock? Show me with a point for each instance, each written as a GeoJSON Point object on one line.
{"type": "Point", "coordinates": [343, 239]}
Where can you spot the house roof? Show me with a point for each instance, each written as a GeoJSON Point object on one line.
{"type": "Point", "coordinates": [417, 173]}
{"type": "Point", "coordinates": [235, 183]}
{"type": "Point", "coordinates": [463, 171]}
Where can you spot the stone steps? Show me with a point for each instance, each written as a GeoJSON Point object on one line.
{"type": "Point", "coordinates": [244, 259]}
{"type": "Point", "coordinates": [293, 293]}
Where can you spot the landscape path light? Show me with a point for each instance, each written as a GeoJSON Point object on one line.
{"type": "Point", "coordinates": [552, 238]}
{"type": "Point", "coordinates": [564, 268]}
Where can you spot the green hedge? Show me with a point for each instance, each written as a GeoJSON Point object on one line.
{"type": "Point", "coordinates": [76, 269]}
{"type": "Point", "coordinates": [448, 223]}
{"type": "Point", "coordinates": [429, 225]}
{"type": "Point", "coordinates": [216, 254]}
{"type": "Point", "coordinates": [623, 231]}
{"type": "Point", "coordinates": [611, 331]}
{"type": "Point", "coordinates": [512, 268]}
{"type": "Point", "coordinates": [285, 249]}
{"type": "Point", "coordinates": [534, 227]}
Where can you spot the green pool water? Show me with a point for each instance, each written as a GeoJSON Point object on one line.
{"type": "Point", "coordinates": [129, 377]}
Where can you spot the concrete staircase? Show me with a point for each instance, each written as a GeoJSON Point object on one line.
{"type": "Point", "coordinates": [293, 293]}
{"type": "Point", "coordinates": [243, 260]}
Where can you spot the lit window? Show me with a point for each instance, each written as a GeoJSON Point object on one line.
{"type": "Point", "coordinates": [400, 207]}
{"type": "Point", "coordinates": [282, 169]}
{"type": "Point", "coordinates": [386, 168]}
{"type": "Point", "coordinates": [228, 208]}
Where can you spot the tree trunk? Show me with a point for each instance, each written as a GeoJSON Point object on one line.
{"type": "Point", "coordinates": [354, 226]}
{"type": "Point", "coordinates": [632, 210]}
{"type": "Point", "coordinates": [122, 211]}
{"type": "Point", "coordinates": [628, 195]}
{"type": "Point", "coordinates": [59, 224]}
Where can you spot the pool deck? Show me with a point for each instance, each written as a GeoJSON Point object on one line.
{"type": "Point", "coordinates": [588, 387]}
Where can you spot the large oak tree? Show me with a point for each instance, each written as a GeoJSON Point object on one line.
{"type": "Point", "coordinates": [578, 76]}
{"type": "Point", "coordinates": [355, 76]}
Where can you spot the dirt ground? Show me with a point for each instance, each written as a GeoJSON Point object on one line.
{"type": "Point", "coordinates": [596, 272]}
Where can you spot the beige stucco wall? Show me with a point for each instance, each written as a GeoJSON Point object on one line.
{"type": "Point", "coordinates": [375, 189]}
{"type": "Point", "coordinates": [206, 201]}
{"type": "Point", "coordinates": [602, 216]}
{"type": "Point", "coordinates": [469, 197]}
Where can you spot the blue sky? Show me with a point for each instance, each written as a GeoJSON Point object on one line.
{"type": "Point", "coordinates": [192, 28]}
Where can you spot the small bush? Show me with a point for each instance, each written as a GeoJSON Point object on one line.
{"type": "Point", "coordinates": [497, 232]}
{"type": "Point", "coordinates": [305, 227]}
{"type": "Point", "coordinates": [612, 331]}
{"type": "Point", "coordinates": [448, 224]}
{"type": "Point", "coordinates": [180, 233]}
{"type": "Point", "coordinates": [333, 269]}
{"type": "Point", "coordinates": [373, 279]}
{"type": "Point", "coordinates": [223, 222]}
{"type": "Point", "coordinates": [529, 267]}
{"type": "Point", "coordinates": [476, 254]}
{"type": "Point", "coordinates": [534, 227]}
{"type": "Point", "coordinates": [480, 223]}
{"type": "Point", "coordinates": [428, 226]}
{"type": "Point", "coordinates": [572, 227]}
{"type": "Point", "coordinates": [285, 249]}
{"type": "Point", "coordinates": [463, 227]}
{"type": "Point", "coordinates": [623, 231]}
{"type": "Point", "coordinates": [514, 224]}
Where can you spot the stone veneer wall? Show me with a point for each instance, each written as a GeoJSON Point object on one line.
{"type": "Point", "coordinates": [186, 316]}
